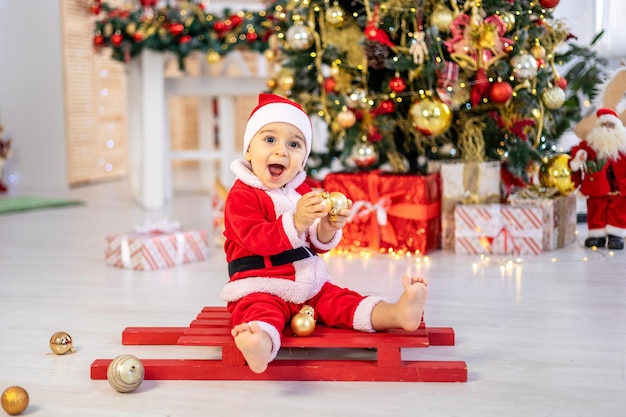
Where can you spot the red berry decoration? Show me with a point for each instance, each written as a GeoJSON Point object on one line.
{"type": "Point", "coordinates": [561, 82]}
{"type": "Point", "coordinates": [500, 92]}
{"type": "Point", "coordinates": [138, 36]}
{"type": "Point", "coordinates": [549, 4]}
{"type": "Point", "coordinates": [397, 84]}
{"type": "Point", "coordinates": [236, 20]}
{"type": "Point", "coordinates": [176, 29]}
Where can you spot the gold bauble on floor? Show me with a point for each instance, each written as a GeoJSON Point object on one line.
{"type": "Point", "coordinates": [125, 373]}
{"type": "Point", "coordinates": [61, 343]}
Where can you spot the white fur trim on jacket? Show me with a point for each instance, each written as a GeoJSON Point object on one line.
{"type": "Point", "coordinates": [310, 276]}
{"type": "Point", "coordinates": [362, 320]}
{"type": "Point", "coordinates": [323, 246]}
{"type": "Point", "coordinates": [274, 335]}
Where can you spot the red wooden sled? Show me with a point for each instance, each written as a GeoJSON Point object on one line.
{"type": "Point", "coordinates": [347, 355]}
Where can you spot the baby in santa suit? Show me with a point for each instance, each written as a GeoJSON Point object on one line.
{"type": "Point", "coordinates": [600, 164]}
{"type": "Point", "coordinates": [275, 226]}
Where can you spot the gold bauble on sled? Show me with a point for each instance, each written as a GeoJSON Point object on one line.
{"type": "Point", "coordinates": [125, 373]}
{"type": "Point", "coordinates": [61, 343]}
{"type": "Point", "coordinates": [555, 173]}
{"type": "Point", "coordinates": [431, 117]}
{"type": "Point", "coordinates": [14, 400]}
{"type": "Point", "coordinates": [303, 323]}
{"type": "Point", "coordinates": [335, 201]}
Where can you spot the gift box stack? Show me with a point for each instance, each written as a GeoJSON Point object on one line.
{"type": "Point", "coordinates": [156, 246]}
{"type": "Point", "coordinates": [390, 211]}
{"type": "Point", "coordinates": [464, 183]}
{"type": "Point", "coordinates": [498, 229]}
{"type": "Point", "coordinates": [558, 214]}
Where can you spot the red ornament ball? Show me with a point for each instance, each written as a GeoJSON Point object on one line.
{"type": "Point", "coordinates": [98, 40]}
{"type": "Point", "coordinates": [236, 20]}
{"type": "Point", "coordinates": [561, 82]}
{"type": "Point", "coordinates": [117, 39]}
{"type": "Point", "coordinates": [397, 84]}
{"type": "Point", "coordinates": [500, 92]}
{"type": "Point", "coordinates": [176, 29]}
{"type": "Point", "coordinates": [329, 84]}
{"type": "Point", "coordinates": [549, 4]}
{"type": "Point", "coordinates": [252, 36]}
{"type": "Point", "coordinates": [386, 107]}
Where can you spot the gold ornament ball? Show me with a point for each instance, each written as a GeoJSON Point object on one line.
{"type": "Point", "coordinates": [285, 79]}
{"type": "Point", "coordinates": [538, 51]}
{"type": "Point", "coordinates": [303, 323]}
{"type": "Point", "coordinates": [125, 373]}
{"type": "Point", "coordinates": [508, 19]}
{"type": "Point", "coordinates": [524, 66]}
{"type": "Point", "coordinates": [61, 343]}
{"type": "Point", "coordinates": [14, 400]}
{"type": "Point", "coordinates": [553, 97]}
{"type": "Point", "coordinates": [346, 118]}
{"type": "Point", "coordinates": [213, 57]}
{"type": "Point", "coordinates": [364, 154]}
{"type": "Point", "coordinates": [299, 37]}
{"type": "Point", "coordinates": [555, 173]}
{"type": "Point", "coordinates": [431, 117]}
{"type": "Point", "coordinates": [441, 18]}
{"type": "Point", "coordinates": [335, 201]}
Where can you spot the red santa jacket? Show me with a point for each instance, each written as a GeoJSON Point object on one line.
{"type": "Point", "coordinates": [260, 221]}
{"type": "Point", "coordinates": [598, 183]}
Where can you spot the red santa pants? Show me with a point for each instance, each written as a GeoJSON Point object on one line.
{"type": "Point", "coordinates": [606, 215]}
{"type": "Point", "coordinates": [334, 307]}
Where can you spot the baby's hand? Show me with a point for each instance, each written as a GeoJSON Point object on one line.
{"type": "Point", "coordinates": [311, 206]}
{"type": "Point", "coordinates": [339, 219]}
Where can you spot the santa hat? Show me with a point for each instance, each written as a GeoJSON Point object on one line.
{"type": "Point", "coordinates": [273, 108]}
{"type": "Point", "coordinates": [606, 112]}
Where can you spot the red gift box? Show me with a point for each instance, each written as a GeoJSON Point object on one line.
{"type": "Point", "coordinates": [390, 211]}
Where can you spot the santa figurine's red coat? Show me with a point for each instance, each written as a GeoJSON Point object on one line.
{"type": "Point", "coordinates": [599, 165]}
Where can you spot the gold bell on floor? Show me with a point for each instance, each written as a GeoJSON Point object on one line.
{"type": "Point", "coordinates": [303, 323]}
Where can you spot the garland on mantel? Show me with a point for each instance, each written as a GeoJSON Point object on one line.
{"type": "Point", "coordinates": [180, 27]}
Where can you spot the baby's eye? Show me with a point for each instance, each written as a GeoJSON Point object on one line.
{"type": "Point", "coordinates": [294, 144]}
{"type": "Point", "coordinates": [270, 139]}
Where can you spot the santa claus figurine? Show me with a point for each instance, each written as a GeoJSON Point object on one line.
{"type": "Point", "coordinates": [599, 165]}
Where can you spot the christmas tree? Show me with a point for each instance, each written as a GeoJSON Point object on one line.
{"type": "Point", "coordinates": [393, 83]}
{"type": "Point", "coordinates": [396, 83]}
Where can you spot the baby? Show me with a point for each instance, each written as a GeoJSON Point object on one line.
{"type": "Point", "coordinates": [275, 226]}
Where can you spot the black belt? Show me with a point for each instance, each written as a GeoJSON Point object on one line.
{"type": "Point", "coordinates": [258, 262]}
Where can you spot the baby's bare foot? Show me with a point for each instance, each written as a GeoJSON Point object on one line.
{"type": "Point", "coordinates": [254, 344]}
{"type": "Point", "coordinates": [412, 301]}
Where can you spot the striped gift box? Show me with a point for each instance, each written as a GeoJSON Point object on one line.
{"type": "Point", "coordinates": [149, 251]}
{"type": "Point", "coordinates": [498, 229]}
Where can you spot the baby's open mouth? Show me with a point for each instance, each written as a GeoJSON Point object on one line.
{"type": "Point", "coordinates": [276, 169]}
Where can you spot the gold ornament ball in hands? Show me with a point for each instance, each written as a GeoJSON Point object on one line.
{"type": "Point", "coordinates": [335, 201]}
{"type": "Point", "coordinates": [555, 173]}
{"type": "Point", "coordinates": [125, 373]}
{"type": "Point", "coordinates": [61, 343]}
{"type": "Point", "coordinates": [14, 400]}
{"type": "Point", "coordinates": [303, 323]}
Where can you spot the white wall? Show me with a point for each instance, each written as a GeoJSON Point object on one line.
{"type": "Point", "coordinates": [31, 94]}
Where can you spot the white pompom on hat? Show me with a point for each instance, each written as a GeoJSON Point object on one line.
{"type": "Point", "coordinates": [273, 108]}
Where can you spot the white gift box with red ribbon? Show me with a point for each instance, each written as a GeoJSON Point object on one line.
{"type": "Point", "coordinates": [498, 229]}
{"type": "Point", "coordinates": [155, 246]}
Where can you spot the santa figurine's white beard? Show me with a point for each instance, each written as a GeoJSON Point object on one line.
{"type": "Point", "coordinates": [606, 141]}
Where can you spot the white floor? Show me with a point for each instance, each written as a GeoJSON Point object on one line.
{"type": "Point", "coordinates": [542, 336]}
